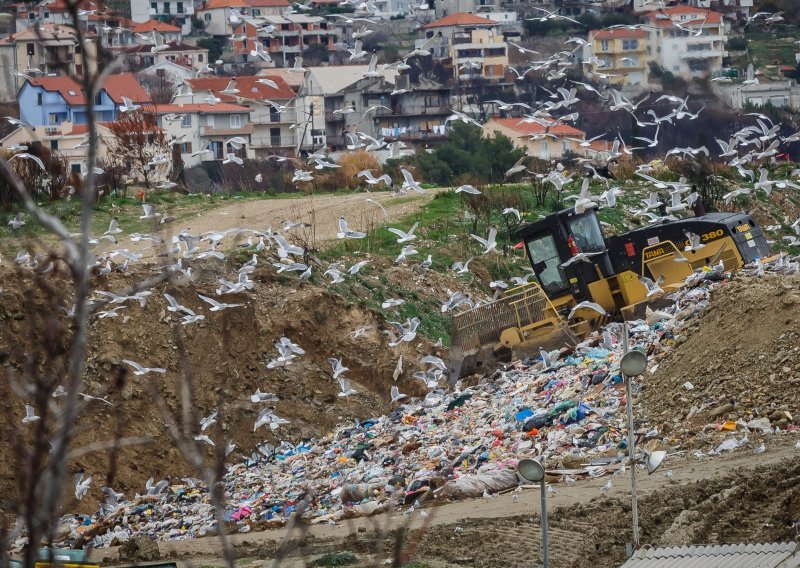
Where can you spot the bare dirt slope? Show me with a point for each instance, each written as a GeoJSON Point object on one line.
{"type": "Point", "coordinates": [227, 354]}
{"type": "Point", "coordinates": [741, 358]}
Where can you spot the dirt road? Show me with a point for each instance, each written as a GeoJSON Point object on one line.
{"type": "Point", "coordinates": [500, 531]}
{"type": "Point", "coordinates": [322, 212]}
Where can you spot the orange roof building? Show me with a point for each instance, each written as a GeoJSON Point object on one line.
{"type": "Point", "coordinates": [546, 140]}
{"type": "Point", "coordinates": [248, 86]}
{"type": "Point", "coordinates": [460, 19]}
{"type": "Point", "coordinates": [687, 41]}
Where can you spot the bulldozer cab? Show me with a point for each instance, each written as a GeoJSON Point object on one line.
{"type": "Point", "coordinates": [554, 241]}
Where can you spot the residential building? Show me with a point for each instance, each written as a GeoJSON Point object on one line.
{"type": "Point", "coordinates": [389, 8]}
{"type": "Point", "coordinates": [739, 8]}
{"type": "Point", "coordinates": [205, 126]}
{"type": "Point", "coordinates": [178, 12]}
{"type": "Point", "coordinates": [695, 49]}
{"type": "Point", "coordinates": [785, 93]}
{"type": "Point", "coordinates": [169, 71]}
{"type": "Point", "coordinates": [466, 39]}
{"type": "Point", "coordinates": [50, 101]}
{"type": "Point", "coordinates": [189, 56]}
{"type": "Point", "coordinates": [272, 132]}
{"type": "Point", "coordinates": [623, 53]}
{"type": "Point", "coordinates": [322, 93]}
{"type": "Point", "coordinates": [51, 50]}
{"type": "Point", "coordinates": [292, 35]}
{"type": "Point", "coordinates": [170, 33]}
{"type": "Point", "coordinates": [415, 113]}
{"type": "Point", "coordinates": [292, 78]}
{"type": "Point", "coordinates": [550, 141]}
{"type": "Point", "coordinates": [216, 14]}
{"type": "Point", "coordinates": [68, 139]}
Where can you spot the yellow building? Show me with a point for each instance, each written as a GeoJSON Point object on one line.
{"type": "Point", "coordinates": [619, 56]}
{"type": "Point", "coordinates": [473, 45]}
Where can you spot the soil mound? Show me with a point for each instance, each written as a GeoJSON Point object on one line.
{"type": "Point", "coordinates": [740, 360]}
{"type": "Point", "coordinates": [226, 355]}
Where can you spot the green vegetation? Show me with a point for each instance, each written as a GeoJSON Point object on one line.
{"type": "Point", "coordinates": [336, 559]}
{"type": "Point", "coordinates": [467, 153]}
{"type": "Point", "coordinates": [773, 48]}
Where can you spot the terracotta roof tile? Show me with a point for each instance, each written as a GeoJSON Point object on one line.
{"type": "Point", "coordinates": [248, 87]}
{"type": "Point", "coordinates": [528, 128]}
{"type": "Point", "coordinates": [199, 108]}
{"type": "Point", "coordinates": [151, 25]}
{"type": "Point", "coordinates": [217, 4]}
{"type": "Point", "coordinates": [125, 85]}
{"type": "Point", "coordinates": [621, 33]}
{"type": "Point", "coordinates": [460, 19]}
{"type": "Point", "coordinates": [676, 11]}
{"type": "Point", "coordinates": [267, 3]}
{"type": "Point", "coordinates": [67, 87]}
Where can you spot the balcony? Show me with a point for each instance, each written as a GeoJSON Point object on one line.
{"type": "Point", "coordinates": [269, 141]}
{"type": "Point", "coordinates": [214, 131]}
{"type": "Point", "coordinates": [331, 117]}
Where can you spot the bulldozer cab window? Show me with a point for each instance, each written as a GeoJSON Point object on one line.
{"type": "Point", "coordinates": [547, 264]}
{"type": "Point", "coordinates": [586, 232]}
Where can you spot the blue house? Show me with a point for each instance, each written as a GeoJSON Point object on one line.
{"type": "Point", "coordinates": [49, 101]}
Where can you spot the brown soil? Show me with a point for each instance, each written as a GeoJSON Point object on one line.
{"type": "Point", "coordinates": [227, 354]}
{"type": "Point", "coordinates": [742, 358]}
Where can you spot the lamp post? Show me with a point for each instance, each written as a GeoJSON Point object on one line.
{"type": "Point", "coordinates": [533, 470]}
{"type": "Point", "coordinates": [632, 364]}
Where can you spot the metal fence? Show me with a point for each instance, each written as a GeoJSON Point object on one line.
{"type": "Point", "coordinates": [484, 324]}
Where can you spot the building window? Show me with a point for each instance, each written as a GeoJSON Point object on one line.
{"type": "Point", "coordinates": [98, 99]}
{"type": "Point", "coordinates": [565, 146]}
{"type": "Point", "coordinates": [166, 8]}
{"type": "Point", "coordinates": [698, 47]}
{"type": "Point", "coordinates": [75, 168]}
{"type": "Point", "coordinates": [604, 45]}
{"type": "Point", "coordinates": [54, 144]}
{"type": "Point", "coordinates": [186, 121]}
{"type": "Point", "coordinates": [30, 48]}
{"type": "Point", "coordinates": [207, 17]}
{"type": "Point", "coordinates": [210, 121]}
{"type": "Point", "coordinates": [545, 151]}
{"type": "Point", "coordinates": [630, 44]}
{"type": "Point", "coordinates": [31, 15]}
{"type": "Point", "coordinates": [154, 7]}
{"type": "Point", "coordinates": [52, 118]}
{"type": "Point", "coordinates": [199, 57]}
{"type": "Point", "coordinates": [179, 8]}
{"type": "Point", "coordinates": [236, 121]}
{"type": "Point", "coordinates": [698, 65]}
{"type": "Point", "coordinates": [256, 12]}
{"type": "Point", "coordinates": [186, 148]}
{"type": "Point", "coordinates": [39, 99]}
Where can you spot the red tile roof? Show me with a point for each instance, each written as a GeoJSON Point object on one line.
{"type": "Point", "coordinates": [125, 85]}
{"type": "Point", "coordinates": [151, 25]}
{"type": "Point", "coordinates": [460, 19]}
{"type": "Point", "coordinates": [216, 4]}
{"type": "Point", "coordinates": [67, 87]}
{"type": "Point", "coordinates": [529, 128]}
{"type": "Point", "coordinates": [267, 3]}
{"type": "Point", "coordinates": [248, 87]}
{"type": "Point", "coordinates": [622, 33]}
{"type": "Point", "coordinates": [675, 12]}
{"type": "Point", "coordinates": [199, 108]}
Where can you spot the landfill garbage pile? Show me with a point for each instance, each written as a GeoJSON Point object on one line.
{"type": "Point", "coordinates": [740, 362]}
{"type": "Point", "coordinates": [567, 406]}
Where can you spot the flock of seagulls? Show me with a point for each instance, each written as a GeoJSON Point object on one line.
{"type": "Point", "coordinates": [747, 150]}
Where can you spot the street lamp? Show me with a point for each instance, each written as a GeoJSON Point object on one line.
{"type": "Point", "coordinates": [633, 364]}
{"type": "Point", "coordinates": [533, 470]}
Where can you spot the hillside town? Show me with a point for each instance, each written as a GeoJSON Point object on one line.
{"type": "Point", "coordinates": [409, 283]}
{"type": "Point", "coordinates": [207, 71]}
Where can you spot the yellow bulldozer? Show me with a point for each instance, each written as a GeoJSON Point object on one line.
{"type": "Point", "coordinates": [574, 264]}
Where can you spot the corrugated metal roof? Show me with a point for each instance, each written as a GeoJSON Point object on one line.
{"type": "Point", "coordinates": [772, 555]}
